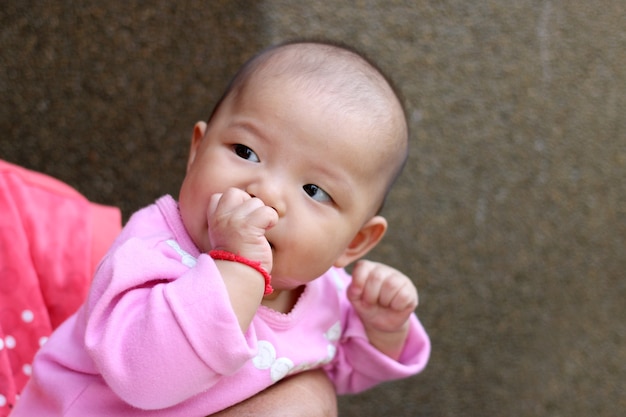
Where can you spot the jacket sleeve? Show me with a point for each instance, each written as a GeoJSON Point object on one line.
{"type": "Point", "coordinates": [359, 366]}
{"type": "Point", "coordinates": [159, 327]}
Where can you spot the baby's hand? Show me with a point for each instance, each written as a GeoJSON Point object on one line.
{"type": "Point", "coordinates": [238, 222]}
{"type": "Point", "coordinates": [384, 299]}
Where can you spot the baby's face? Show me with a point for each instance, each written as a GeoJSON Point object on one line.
{"type": "Point", "coordinates": [314, 164]}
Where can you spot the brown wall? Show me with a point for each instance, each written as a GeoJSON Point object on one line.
{"type": "Point", "coordinates": [511, 215]}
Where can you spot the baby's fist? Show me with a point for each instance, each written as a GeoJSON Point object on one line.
{"type": "Point", "coordinates": [382, 296]}
{"type": "Point", "coordinates": [237, 224]}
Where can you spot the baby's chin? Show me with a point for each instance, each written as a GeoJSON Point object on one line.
{"type": "Point", "coordinates": [288, 282]}
{"type": "Point", "coordinates": [282, 287]}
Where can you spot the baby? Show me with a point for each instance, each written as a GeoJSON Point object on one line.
{"type": "Point", "coordinates": [204, 302]}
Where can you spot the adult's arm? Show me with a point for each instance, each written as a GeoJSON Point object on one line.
{"type": "Point", "coordinates": [309, 394]}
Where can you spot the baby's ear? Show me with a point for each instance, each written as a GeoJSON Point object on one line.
{"type": "Point", "coordinates": [370, 234]}
{"type": "Point", "coordinates": [199, 130]}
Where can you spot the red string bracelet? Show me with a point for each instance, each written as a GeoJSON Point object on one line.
{"type": "Point", "coordinates": [223, 255]}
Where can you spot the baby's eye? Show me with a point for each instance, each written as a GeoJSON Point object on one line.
{"type": "Point", "coordinates": [317, 194]}
{"type": "Point", "coordinates": [246, 153]}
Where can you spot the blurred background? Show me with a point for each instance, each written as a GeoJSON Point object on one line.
{"type": "Point", "coordinates": [510, 216]}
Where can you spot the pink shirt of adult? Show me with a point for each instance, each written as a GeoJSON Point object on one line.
{"type": "Point", "coordinates": [51, 239]}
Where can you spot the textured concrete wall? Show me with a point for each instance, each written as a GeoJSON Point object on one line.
{"type": "Point", "coordinates": [511, 215]}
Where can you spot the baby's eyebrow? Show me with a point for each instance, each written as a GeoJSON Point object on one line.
{"type": "Point", "coordinates": [248, 127]}
{"type": "Point", "coordinates": [341, 185]}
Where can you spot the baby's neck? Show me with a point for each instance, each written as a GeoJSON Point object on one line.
{"type": "Point", "coordinates": [283, 301]}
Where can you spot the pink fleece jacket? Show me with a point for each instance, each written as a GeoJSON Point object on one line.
{"type": "Point", "coordinates": [157, 333]}
{"type": "Point", "coordinates": [51, 238]}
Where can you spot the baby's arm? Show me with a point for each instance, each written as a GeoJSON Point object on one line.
{"type": "Point", "coordinates": [237, 224]}
{"type": "Point", "coordinates": [384, 299]}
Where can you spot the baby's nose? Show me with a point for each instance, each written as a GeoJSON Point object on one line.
{"type": "Point", "coordinates": [270, 195]}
